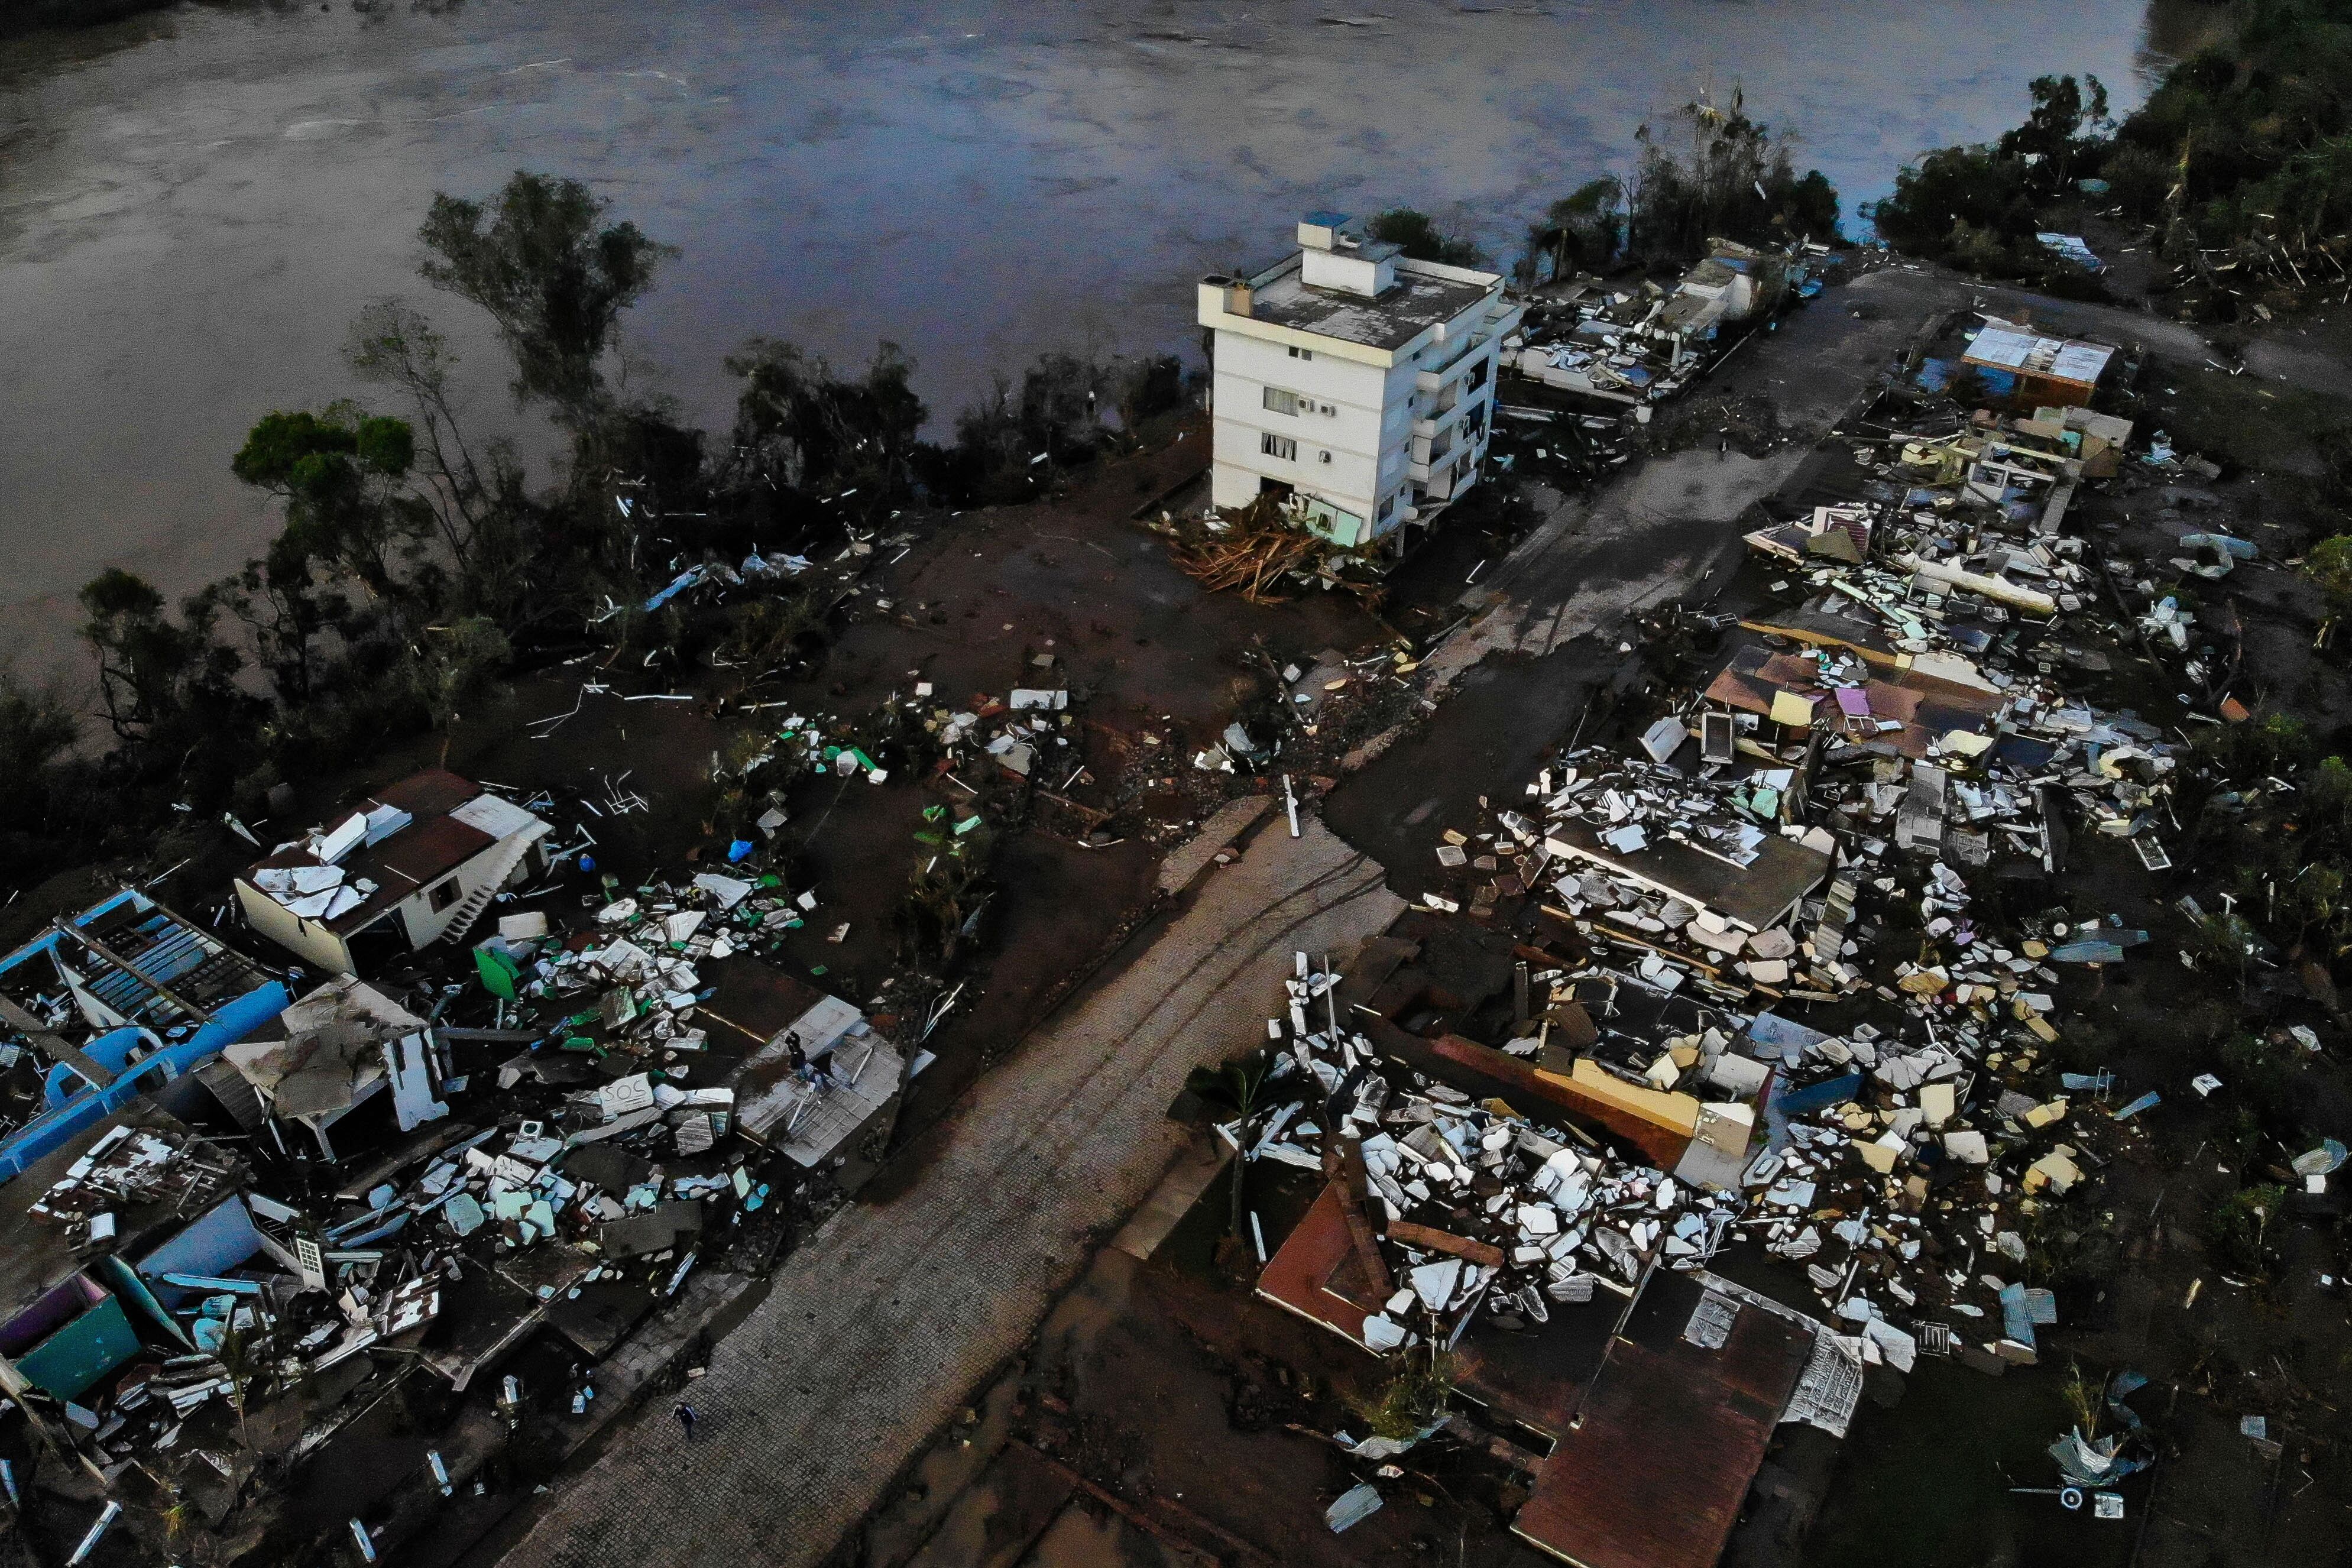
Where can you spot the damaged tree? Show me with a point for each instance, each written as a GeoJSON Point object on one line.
{"type": "Point", "coordinates": [1707, 173]}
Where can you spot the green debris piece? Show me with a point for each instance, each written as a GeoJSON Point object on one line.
{"type": "Point", "coordinates": [831, 752]}
{"type": "Point", "coordinates": [500, 977]}
{"type": "Point", "coordinates": [868, 763]}
{"type": "Point", "coordinates": [818, 969]}
{"type": "Point", "coordinates": [582, 1043]}
{"type": "Point", "coordinates": [967, 824]}
{"type": "Point", "coordinates": [771, 880]}
{"type": "Point", "coordinates": [933, 813]}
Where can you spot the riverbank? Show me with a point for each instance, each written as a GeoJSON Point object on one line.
{"type": "Point", "coordinates": [180, 267]}
{"type": "Point", "coordinates": [36, 16]}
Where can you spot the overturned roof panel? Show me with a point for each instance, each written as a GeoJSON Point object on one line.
{"type": "Point", "coordinates": [1754, 896]}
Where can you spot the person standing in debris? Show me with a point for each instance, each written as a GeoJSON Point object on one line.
{"type": "Point", "coordinates": [684, 1413]}
{"type": "Point", "coordinates": [793, 1054]}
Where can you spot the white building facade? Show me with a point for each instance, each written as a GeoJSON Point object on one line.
{"type": "Point", "coordinates": [1353, 380]}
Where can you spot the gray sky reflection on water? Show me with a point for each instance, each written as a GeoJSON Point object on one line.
{"type": "Point", "coordinates": [188, 222]}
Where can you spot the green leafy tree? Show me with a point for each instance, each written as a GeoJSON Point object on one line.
{"type": "Point", "coordinates": [553, 275]}
{"type": "Point", "coordinates": [1708, 172]}
{"type": "Point", "coordinates": [801, 425]}
{"type": "Point", "coordinates": [1146, 388]}
{"type": "Point", "coordinates": [150, 666]}
{"type": "Point", "coordinates": [291, 611]}
{"type": "Point", "coordinates": [1581, 232]}
{"type": "Point", "coordinates": [341, 475]}
{"type": "Point", "coordinates": [37, 788]}
{"type": "Point", "coordinates": [1421, 237]}
{"type": "Point", "coordinates": [460, 661]}
{"type": "Point", "coordinates": [394, 344]}
{"type": "Point", "coordinates": [2059, 130]}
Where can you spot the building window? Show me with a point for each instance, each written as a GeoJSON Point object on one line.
{"type": "Point", "coordinates": [1477, 378]}
{"type": "Point", "coordinates": [1282, 446]}
{"type": "Point", "coordinates": [1298, 353]}
{"type": "Point", "coordinates": [444, 895]}
{"type": "Point", "coordinates": [1387, 507]}
{"type": "Point", "coordinates": [1280, 401]}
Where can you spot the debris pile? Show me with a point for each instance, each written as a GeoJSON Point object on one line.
{"type": "Point", "coordinates": [1482, 1206]}
{"type": "Point", "coordinates": [1642, 344]}
{"type": "Point", "coordinates": [1775, 899]}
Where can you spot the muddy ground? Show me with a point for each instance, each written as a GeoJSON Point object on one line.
{"type": "Point", "coordinates": [1944, 1468]}
{"type": "Point", "coordinates": [1160, 1380]}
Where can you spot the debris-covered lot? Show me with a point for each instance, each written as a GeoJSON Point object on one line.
{"type": "Point", "coordinates": [1878, 960]}
{"type": "Point", "coordinates": [1878, 1043]}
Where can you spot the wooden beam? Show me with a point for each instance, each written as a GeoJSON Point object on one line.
{"type": "Point", "coordinates": [1404, 1233]}
{"type": "Point", "coordinates": [51, 1045]}
{"type": "Point", "coordinates": [140, 975]}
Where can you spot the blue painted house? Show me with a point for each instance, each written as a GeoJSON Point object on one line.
{"type": "Point", "coordinates": [121, 1001]}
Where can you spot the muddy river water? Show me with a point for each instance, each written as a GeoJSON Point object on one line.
{"type": "Point", "coordinates": [192, 207]}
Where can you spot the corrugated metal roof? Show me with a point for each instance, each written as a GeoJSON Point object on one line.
{"type": "Point", "coordinates": [1672, 1435]}
{"type": "Point", "coordinates": [1998, 346]}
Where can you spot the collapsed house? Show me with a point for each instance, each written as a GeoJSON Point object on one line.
{"type": "Point", "coordinates": [416, 864]}
{"type": "Point", "coordinates": [1727, 1002]}
{"type": "Point", "coordinates": [243, 1215]}
{"type": "Point", "coordinates": [154, 998]}
{"type": "Point", "coordinates": [1627, 348]}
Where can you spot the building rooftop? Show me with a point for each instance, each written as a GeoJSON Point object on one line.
{"type": "Point", "coordinates": [167, 954]}
{"type": "Point", "coordinates": [1419, 302]}
{"type": "Point", "coordinates": [2001, 345]}
{"type": "Point", "coordinates": [1672, 1435]}
{"type": "Point", "coordinates": [416, 832]}
{"type": "Point", "coordinates": [1754, 896]}
{"type": "Point", "coordinates": [1927, 709]}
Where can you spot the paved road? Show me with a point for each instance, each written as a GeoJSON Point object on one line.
{"type": "Point", "coordinates": [1659, 529]}
{"type": "Point", "coordinates": [882, 1323]}
{"type": "Point", "coordinates": [1516, 679]}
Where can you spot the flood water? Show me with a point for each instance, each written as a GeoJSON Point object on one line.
{"type": "Point", "coordinates": [192, 207]}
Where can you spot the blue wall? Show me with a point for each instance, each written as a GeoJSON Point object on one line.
{"type": "Point", "coordinates": [50, 1131]}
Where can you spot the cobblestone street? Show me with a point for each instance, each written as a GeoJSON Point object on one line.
{"type": "Point", "coordinates": [882, 1322]}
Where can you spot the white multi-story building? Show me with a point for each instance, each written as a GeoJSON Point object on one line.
{"type": "Point", "coordinates": [1355, 380]}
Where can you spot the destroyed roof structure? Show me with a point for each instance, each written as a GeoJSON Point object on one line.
{"type": "Point", "coordinates": [121, 1000]}
{"type": "Point", "coordinates": [409, 1196]}
{"type": "Point", "coordinates": [1758, 1008]}
{"type": "Point", "coordinates": [88, 1236]}
{"type": "Point", "coordinates": [2037, 369]}
{"type": "Point", "coordinates": [334, 1049]}
{"type": "Point", "coordinates": [1628, 347]}
{"type": "Point", "coordinates": [416, 864]}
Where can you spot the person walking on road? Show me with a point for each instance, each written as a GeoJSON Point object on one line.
{"type": "Point", "coordinates": [684, 1413]}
